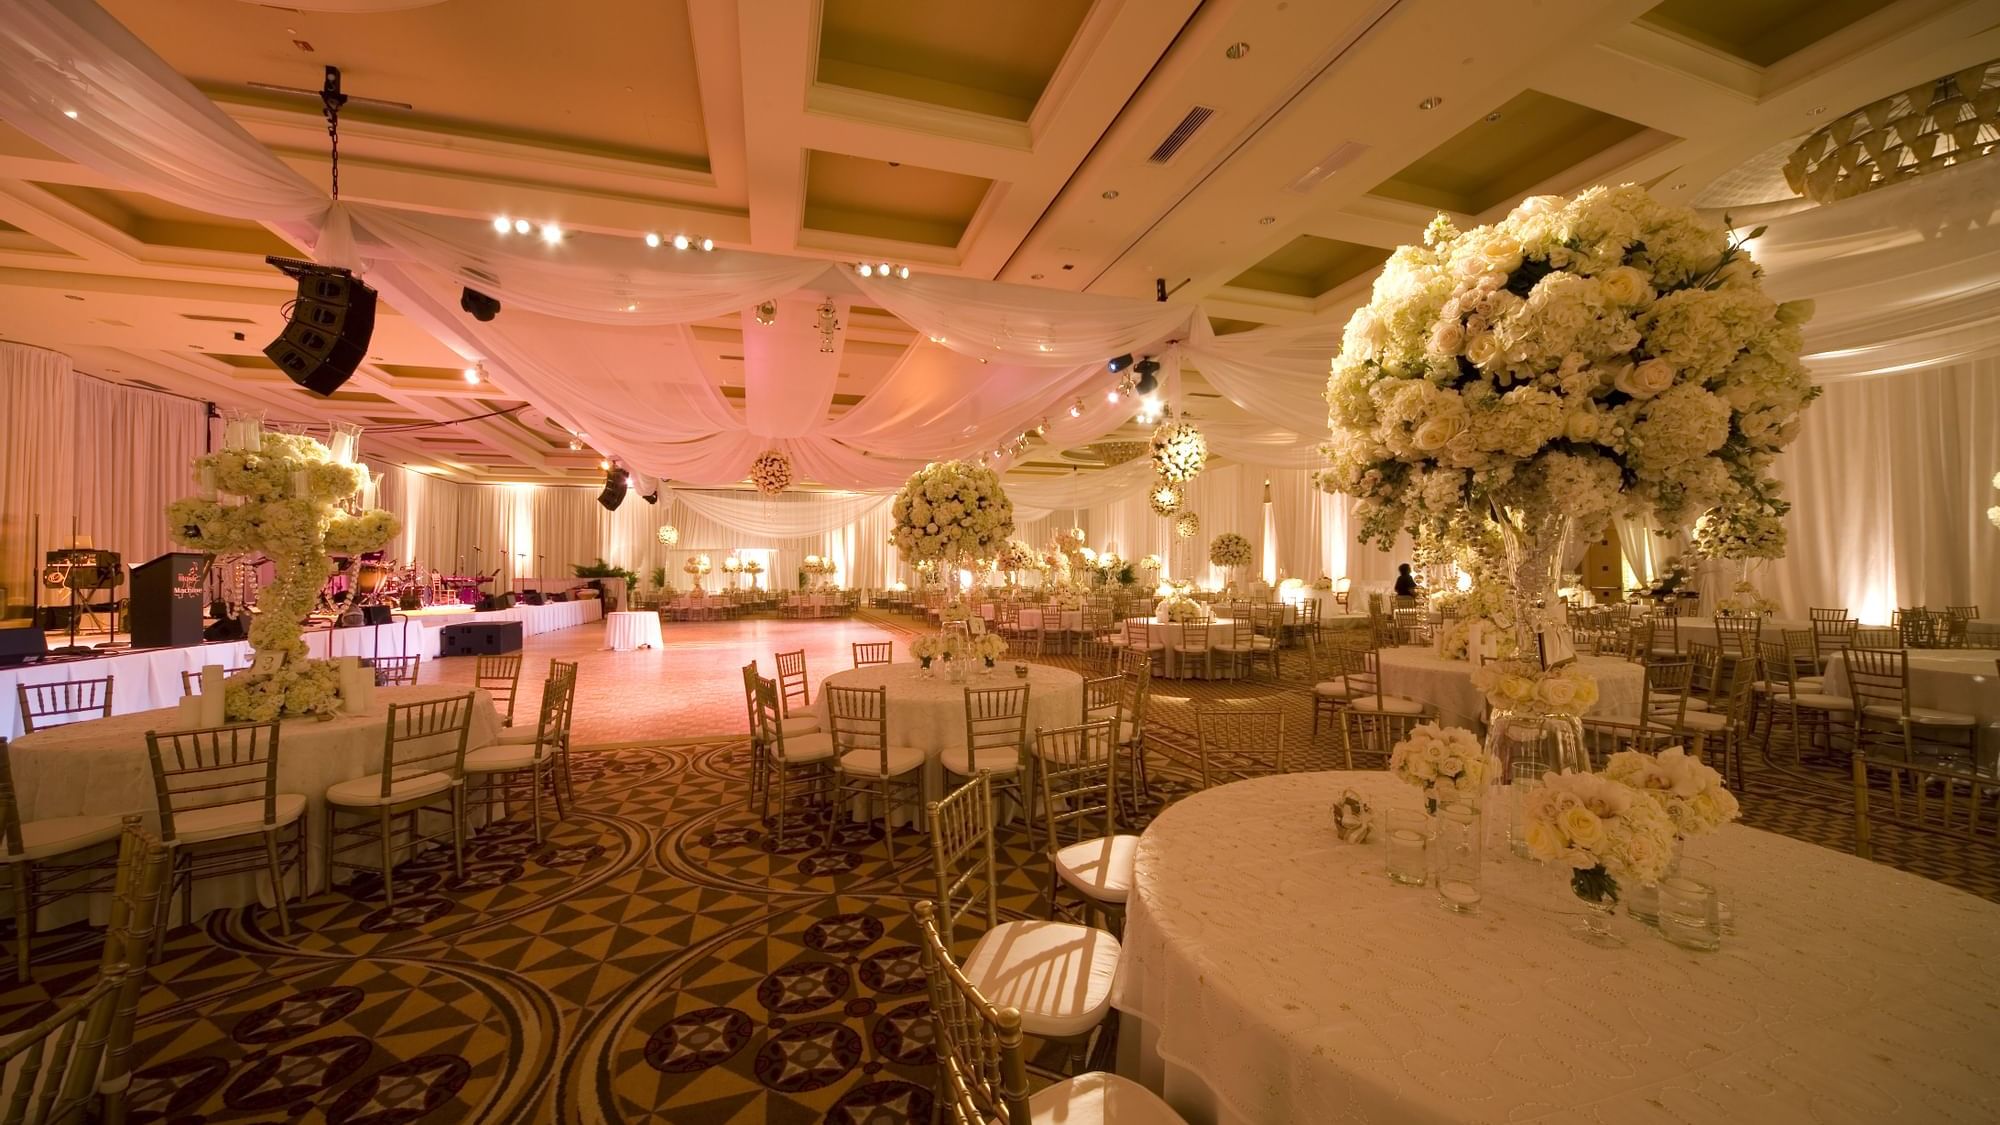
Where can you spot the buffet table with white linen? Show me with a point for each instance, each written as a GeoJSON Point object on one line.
{"type": "Point", "coordinates": [626, 630]}
{"type": "Point", "coordinates": [929, 714]}
{"type": "Point", "coordinates": [101, 767]}
{"type": "Point", "coordinates": [1420, 673]}
{"type": "Point", "coordinates": [535, 619]}
{"type": "Point", "coordinates": [148, 679]}
{"type": "Point", "coordinates": [1272, 973]}
{"type": "Point", "coordinates": [1964, 680]}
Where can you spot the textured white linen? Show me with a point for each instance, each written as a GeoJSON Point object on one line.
{"type": "Point", "coordinates": [1961, 680]}
{"type": "Point", "coordinates": [1171, 634]}
{"type": "Point", "coordinates": [101, 768]}
{"type": "Point", "coordinates": [1281, 977]}
{"type": "Point", "coordinates": [1421, 674]}
{"type": "Point", "coordinates": [629, 630]}
{"type": "Point", "coordinates": [147, 679]}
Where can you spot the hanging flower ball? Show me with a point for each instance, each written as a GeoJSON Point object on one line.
{"type": "Point", "coordinates": [771, 472]}
{"type": "Point", "coordinates": [1179, 451]}
{"type": "Point", "coordinates": [669, 534]}
{"type": "Point", "coordinates": [1188, 526]}
{"type": "Point", "coordinates": [1229, 549]}
{"type": "Point", "coordinates": [1165, 498]}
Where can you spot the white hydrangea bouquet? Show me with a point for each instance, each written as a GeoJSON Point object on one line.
{"type": "Point", "coordinates": [954, 612]}
{"type": "Point", "coordinates": [948, 645]}
{"type": "Point", "coordinates": [1603, 830]}
{"type": "Point", "coordinates": [1447, 763]}
{"type": "Point", "coordinates": [1524, 685]}
{"type": "Point", "coordinates": [1752, 530]}
{"type": "Point", "coordinates": [1067, 598]}
{"type": "Point", "coordinates": [281, 499]}
{"type": "Point", "coordinates": [950, 511]}
{"type": "Point", "coordinates": [1151, 564]}
{"type": "Point", "coordinates": [1689, 790]}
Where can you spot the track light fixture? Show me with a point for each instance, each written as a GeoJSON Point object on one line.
{"type": "Point", "coordinates": [482, 307]}
{"type": "Point", "coordinates": [1119, 363]}
{"type": "Point", "coordinates": [681, 241]}
{"type": "Point", "coordinates": [767, 313]}
{"type": "Point", "coordinates": [472, 375]}
{"type": "Point", "coordinates": [1149, 375]}
{"type": "Point", "coordinates": [883, 270]}
{"type": "Point", "coordinates": [1076, 409]}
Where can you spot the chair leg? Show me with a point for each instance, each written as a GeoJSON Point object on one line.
{"type": "Point", "coordinates": [24, 915]}
{"type": "Point", "coordinates": [535, 802]}
{"type": "Point", "coordinates": [277, 882]}
{"type": "Point", "coordinates": [387, 822]}
{"type": "Point", "coordinates": [547, 771]}
{"type": "Point", "coordinates": [326, 856]}
{"type": "Point", "coordinates": [458, 831]}
{"type": "Point", "coordinates": [185, 859]}
{"type": "Point", "coordinates": [888, 820]}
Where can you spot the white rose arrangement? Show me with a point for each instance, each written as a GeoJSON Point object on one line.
{"type": "Point", "coordinates": [1187, 525]}
{"type": "Point", "coordinates": [954, 612]}
{"type": "Point", "coordinates": [1523, 685]}
{"type": "Point", "coordinates": [1151, 564]}
{"type": "Point", "coordinates": [1069, 599]}
{"type": "Point", "coordinates": [1603, 355]}
{"type": "Point", "coordinates": [1745, 600]}
{"type": "Point", "coordinates": [1691, 792]}
{"type": "Point", "coordinates": [1603, 830]}
{"type": "Point", "coordinates": [1179, 451]}
{"type": "Point", "coordinates": [771, 472]}
{"type": "Point", "coordinates": [1016, 555]}
{"type": "Point", "coordinates": [989, 647]}
{"type": "Point", "coordinates": [951, 511]}
{"type": "Point", "coordinates": [927, 648]}
{"type": "Point", "coordinates": [1447, 763]}
{"type": "Point", "coordinates": [1751, 530]}
{"type": "Point", "coordinates": [1181, 609]}
{"type": "Point", "coordinates": [1229, 550]}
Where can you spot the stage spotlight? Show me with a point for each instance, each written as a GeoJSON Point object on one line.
{"type": "Point", "coordinates": [615, 484]}
{"type": "Point", "coordinates": [331, 322]}
{"type": "Point", "coordinates": [1149, 375]}
{"type": "Point", "coordinates": [681, 242]}
{"type": "Point", "coordinates": [1119, 363]}
{"type": "Point", "coordinates": [653, 239]}
{"type": "Point", "coordinates": [652, 497]}
{"type": "Point", "coordinates": [479, 305]}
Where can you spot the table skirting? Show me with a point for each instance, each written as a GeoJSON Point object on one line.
{"type": "Point", "coordinates": [535, 620]}
{"type": "Point", "coordinates": [1271, 973]}
{"type": "Point", "coordinates": [627, 630]}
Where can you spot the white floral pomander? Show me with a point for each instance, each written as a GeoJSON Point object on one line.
{"type": "Point", "coordinates": [1447, 763]}
{"type": "Point", "coordinates": [771, 472]}
{"type": "Point", "coordinates": [1603, 355]}
{"type": "Point", "coordinates": [1187, 525]}
{"type": "Point", "coordinates": [1229, 549]}
{"type": "Point", "coordinates": [951, 510]}
{"type": "Point", "coordinates": [1165, 499]}
{"type": "Point", "coordinates": [1179, 451]}
{"type": "Point", "coordinates": [1690, 791]}
{"type": "Point", "coordinates": [669, 534]}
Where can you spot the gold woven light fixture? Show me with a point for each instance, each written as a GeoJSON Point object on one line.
{"type": "Point", "coordinates": [1929, 127]}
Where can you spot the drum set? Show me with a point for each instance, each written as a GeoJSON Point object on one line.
{"type": "Point", "coordinates": [368, 580]}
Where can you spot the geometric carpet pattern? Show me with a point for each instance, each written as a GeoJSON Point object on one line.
{"type": "Point", "coordinates": [657, 959]}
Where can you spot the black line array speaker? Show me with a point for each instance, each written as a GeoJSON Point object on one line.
{"type": "Point", "coordinates": [327, 337]}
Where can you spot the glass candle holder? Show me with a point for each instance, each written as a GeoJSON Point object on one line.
{"type": "Point", "coordinates": [1405, 844]}
{"type": "Point", "coordinates": [1523, 778]}
{"type": "Point", "coordinates": [1689, 914]}
{"type": "Point", "coordinates": [1456, 855]}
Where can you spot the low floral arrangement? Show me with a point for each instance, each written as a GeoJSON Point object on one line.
{"type": "Point", "coordinates": [1069, 598]}
{"type": "Point", "coordinates": [1165, 498]}
{"type": "Point", "coordinates": [1187, 525]}
{"type": "Point", "coordinates": [1745, 600]}
{"type": "Point", "coordinates": [771, 472]}
{"type": "Point", "coordinates": [954, 612]}
{"type": "Point", "coordinates": [1181, 609]}
{"type": "Point", "coordinates": [699, 564]}
{"type": "Point", "coordinates": [1487, 606]}
{"type": "Point", "coordinates": [952, 510]}
{"type": "Point", "coordinates": [1015, 555]}
{"type": "Point", "coordinates": [1151, 564]}
{"type": "Point", "coordinates": [1454, 639]}
{"type": "Point", "coordinates": [989, 647]}
{"type": "Point", "coordinates": [1229, 550]}
{"type": "Point", "coordinates": [1179, 451]}
{"type": "Point", "coordinates": [1523, 685]}
{"type": "Point", "coordinates": [1447, 763]}
{"type": "Point", "coordinates": [311, 688]}
{"type": "Point", "coordinates": [1323, 583]}
{"type": "Point", "coordinates": [949, 645]}
{"type": "Point", "coordinates": [1687, 789]}
{"type": "Point", "coordinates": [1604, 830]}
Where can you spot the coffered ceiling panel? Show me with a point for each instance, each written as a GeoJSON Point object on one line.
{"type": "Point", "coordinates": [1308, 266]}
{"type": "Point", "coordinates": [1761, 32]}
{"type": "Point", "coordinates": [890, 200]}
{"type": "Point", "coordinates": [981, 58]}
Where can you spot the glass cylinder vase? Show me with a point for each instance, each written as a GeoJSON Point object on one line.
{"type": "Point", "coordinates": [1456, 854]}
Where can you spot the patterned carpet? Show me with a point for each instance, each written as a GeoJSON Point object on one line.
{"type": "Point", "coordinates": [657, 959]}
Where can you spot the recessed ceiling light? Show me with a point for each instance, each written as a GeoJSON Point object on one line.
{"type": "Point", "coordinates": [70, 113]}
{"type": "Point", "coordinates": [653, 239]}
{"type": "Point", "coordinates": [1236, 50]}
{"type": "Point", "coordinates": [502, 224]}
{"type": "Point", "coordinates": [1431, 102]}
{"type": "Point", "coordinates": [551, 233]}
{"type": "Point", "coordinates": [1816, 111]}
{"type": "Point", "coordinates": [1267, 220]}
{"type": "Point", "coordinates": [1494, 116]}
{"type": "Point", "coordinates": [522, 226]}
{"type": "Point", "coordinates": [1112, 194]}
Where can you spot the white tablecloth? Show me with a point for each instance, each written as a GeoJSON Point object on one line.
{"type": "Point", "coordinates": [1964, 680]}
{"type": "Point", "coordinates": [929, 714]}
{"type": "Point", "coordinates": [101, 768]}
{"type": "Point", "coordinates": [1421, 674]}
{"type": "Point", "coordinates": [1688, 630]}
{"type": "Point", "coordinates": [1221, 631]}
{"type": "Point", "coordinates": [148, 679]}
{"type": "Point", "coordinates": [627, 630]}
{"type": "Point", "coordinates": [535, 620]}
{"type": "Point", "coordinates": [1071, 620]}
{"type": "Point", "coordinates": [1272, 974]}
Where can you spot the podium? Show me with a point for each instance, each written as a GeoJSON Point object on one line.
{"type": "Point", "coordinates": [167, 601]}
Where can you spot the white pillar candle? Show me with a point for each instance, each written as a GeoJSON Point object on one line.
{"type": "Point", "coordinates": [213, 713]}
{"type": "Point", "coordinates": [187, 712]}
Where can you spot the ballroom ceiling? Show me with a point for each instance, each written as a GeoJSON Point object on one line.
{"type": "Point", "coordinates": [1030, 143]}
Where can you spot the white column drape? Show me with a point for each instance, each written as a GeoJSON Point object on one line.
{"type": "Point", "coordinates": [37, 469]}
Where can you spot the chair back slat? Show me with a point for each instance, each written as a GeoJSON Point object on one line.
{"type": "Point", "coordinates": [996, 719]}
{"type": "Point", "coordinates": [1079, 781]}
{"type": "Point", "coordinates": [499, 676]}
{"type": "Point", "coordinates": [1239, 742]}
{"type": "Point", "coordinates": [981, 1062]}
{"type": "Point", "coordinates": [10, 804]}
{"type": "Point", "coordinates": [792, 683]}
{"type": "Point", "coordinates": [136, 898]}
{"type": "Point", "coordinates": [397, 671]}
{"type": "Point", "coordinates": [1932, 800]}
{"type": "Point", "coordinates": [427, 737]}
{"type": "Point", "coordinates": [54, 1065]}
{"type": "Point", "coordinates": [211, 767]}
{"type": "Point", "coordinates": [63, 702]}
{"type": "Point", "coordinates": [868, 654]}
{"type": "Point", "coordinates": [962, 855]}
{"type": "Point", "coordinates": [858, 720]}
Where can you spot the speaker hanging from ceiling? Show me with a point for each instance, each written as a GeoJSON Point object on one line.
{"type": "Point", "coordinates": [326, 335]}
{"type": "Point", "coordinates": [615, 484]}
{"type": "Point", "coordinates": [481, 306]}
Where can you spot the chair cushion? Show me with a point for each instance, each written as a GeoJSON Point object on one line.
{"type": "Point", "coordinates": [1816, 701]}
{"type": "Point", "coordinates": [1094, 714]}
{"type": "Point", "coordinates": [801, 723]}
{"type": "Point", "coordinates": [1331, 689]}
{"type": "Point", "coordinates": [1387, 705]}
{"type": "Point", "coordinates": [805, 748]}
{"type": "Point", "coordinates": [994, 759]}
{"type": "Point", "coordinates": [366, 792]}
{"type": "Point", "coordinates": [499, 757]}
{"type": "Point", "coordinates": [56, 835]}
{"type": "Point", "coordinates": [220, 822]}
{"type": "Point", "coordinates": [1707, 722]}
{"type": "Point", "coordinates": [1695, 704]}
{"type": "Point", "coordinates": [868, 762]}
{"type": "Point", "coordinates": [1098, 1097]}
{"type": "Point", "coordinates": [516, 736]}
{"type": "Point", "coordinates": [1921, 716]}
{"type": "Point", "coordinates": [1059, 975]}
{"type": "Point", "coordinates": [1100, 869]}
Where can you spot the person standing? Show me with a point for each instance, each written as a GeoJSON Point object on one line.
{"type": "Point", "coordinates": [1406, 583]}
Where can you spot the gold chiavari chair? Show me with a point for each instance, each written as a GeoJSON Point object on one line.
{"type": "Point", "coordinates": [1718, 730]}
{"type": "Point", "coordinates": [54, 1066]}
{"type": "Point", "coordinates": [996, 740]}
{"type": "Point", "coordinates": [1192, 646]}
{"type": "Point", "coordinates": [1738, 637]}
{"type": "Point", "coordinates": [1805, 660]}
{"type": "Point", "coordinates": [1664, 634]}
{"type": "Point", "coordinates": [1138, 642]}
{"type": "Point", "coordinates": [1371, 720]}
{"type": "Point", "coordinates": [40, 859]}
{"type": "Point", "coordinates": [501, 774]}
{"type": "Point", "coordinates": [499, 676]}
{"type": "Point", "coordinates": [794, 686]}
{"type": "Point", "coordinates": [1923, 799]}
{"type": "Point", "coordinates": [874, 654]}
{"type": "Point", "coordinates": [1879, 682]}
{"type": "Point", "coordinates": [1057, 974]}
{"type": "Point", "coordinates": [1095, 640]}
{"type": "Point", "coordinates": [1078, 771]}
{"type": "Point", "coordinates": [1237, 743]}
{"type": "Point", "coordinates": [1917, 626]}
{"type": "Point", "coordinates": [136, 900]}
{"type": "Point", "coordinates": [562, 673]}
{"type": "Point", "coordinates": [220, 809]}
{"type": "Point", "coordinates": [423, 769]}
{"type": "Point", "coordinates": [796, 762]}
{"type": "Point", "coordinates": [1134, 693]}
{"type": "Point", "coordinates": [67, 701]}
{"type": "Point", "coordinates": [758, 777]}
{"type": "Point", "coordinates": [1815, 714]}
{"type": "Point", "coordinates": [867, 764]}
{"type": "Point", "coordinates": [395, 671]}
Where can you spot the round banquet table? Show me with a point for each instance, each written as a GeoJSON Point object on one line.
{"type": "Point", "coordinates": [1418, 672]}
{"type": "Point", "coordinates": [1965, 680]}
{"type": "Point", "coordinates": [929, 714]}
{"type": "Point", "coordinates": [1168, 634]}
{"type": "Point", "coordinates": [1691, 630]}
{"type": "Point", "coordinates": [100, 767]}
{"type": "Point", "coordinates": [1271, 973]}
{"type": "Point", "coordinates": [627, 630]}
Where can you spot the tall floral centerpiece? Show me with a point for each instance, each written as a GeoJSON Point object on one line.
{"type": "Point", "coordinates": [280, 495]}
{"type": "Point", "coordinates": [1746, 534]}
{"type": "Point", "coordinates": [949, 513]}
{"type": "Point", "coordinates": [1229, 551]}
{"type": "Point", "coordinates": [1580, 359]}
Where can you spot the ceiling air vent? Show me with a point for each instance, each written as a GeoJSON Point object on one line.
{"type": "Point", "coordinates": [1181, 135]}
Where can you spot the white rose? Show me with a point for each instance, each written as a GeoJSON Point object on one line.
{"type": "Point", "coordinates": [1448, 338]}
{"type": "Point", "coordinates": [1436, 432]}
{"type": "Point", "coordinates": [1558, 692]}
{"type": "Point", "coordinates": [1581, 425]}
{"type": "Point", "coordinates": [1624, 285]}
{"type": "Point", "coordinates": [1483, 349]}
{"type": "Point", "coordinates": [1584, 827]}
{"type": "Point", "coordinates": [1520, 689]}
{"type": "Point", "coordinates": [1647, 379]}
{"type": "Point", "coordinates": [1543, 840]}
{"type": "Point", "coordinates": [1798, 312]}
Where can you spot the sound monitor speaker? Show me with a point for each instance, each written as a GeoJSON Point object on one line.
{"type": "Point", "coordinates": [375, 614]}
{"type": "Point", "coordinates": [327, 336]}
{"type": "Point", "coordinates": [20, 645]}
